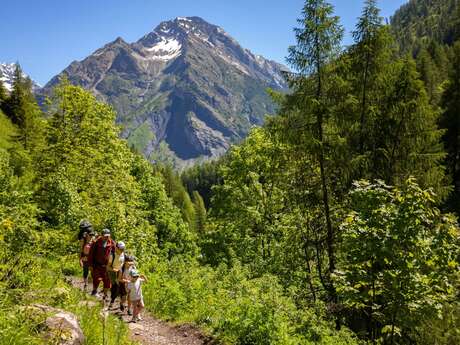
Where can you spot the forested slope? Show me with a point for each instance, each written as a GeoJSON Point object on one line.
{"type": "Point", "coordinates": [420, 21]}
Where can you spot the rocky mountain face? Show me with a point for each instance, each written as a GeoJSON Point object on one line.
{"type": "Point", "coordinates": [186, 89]}
{"type": "Point", "coordinates": [7, 76]}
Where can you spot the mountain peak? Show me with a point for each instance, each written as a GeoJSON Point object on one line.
{"type": "Point", "coordinates": [7, 76]}
{"type": "Point", "coordinates": [187, 88]}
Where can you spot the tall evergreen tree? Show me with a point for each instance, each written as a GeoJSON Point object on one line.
{"type": "Point", "coordinates": [450, 120]}
{"type": "Point", "coordinates": [3, 94]}
{"type": "Point", "coordinates": [367, 49]}
{"type": "Point", "coordinates": [318, 42]}
{"type": "Point", "coordinates": [429, 74]}
{"type": "Point", "coordinates": [24, 111]}
{"type": "Point", "coordinates": [176, 190]}
{"type": "Point", "coordinates": [200, 212]}
{"type": "Point", "coordinates": [408, 138]}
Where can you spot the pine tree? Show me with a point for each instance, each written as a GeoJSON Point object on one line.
{"type": "Point", "coordinates": [24, 111]}
{"type": "Point", "coordinates": [367, 49]}
{"type": "Point", "coordinates": [318, 42]}
{"type": "Point", "coordinates": [450, 121]}
{"type": "Point", "coordinates": [408, 140]}
{"type": "Point", "coordinates": [200, 212]}
{"type": "Point", "coordinates": [429, 74]}
{"type": "Point", "coordinates": [14, 107]}
{"type": "Point", "coordinates": [3, 95]}
{"type": "Point", "coordinates": [178, 193]}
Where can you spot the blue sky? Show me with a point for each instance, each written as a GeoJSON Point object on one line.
{"type": "Point", "coordinates": [46, 35]}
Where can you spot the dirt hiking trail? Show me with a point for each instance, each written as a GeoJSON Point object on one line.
{"type": "Point", "coordinates": [150, 331]}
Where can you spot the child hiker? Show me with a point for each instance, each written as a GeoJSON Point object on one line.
{"type": "Point", "coordinates": [135, 294]}
{"type": "Point", "coordinates": [124, 277]}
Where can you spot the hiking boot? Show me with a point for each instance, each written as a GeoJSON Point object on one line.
{"type": "Point", "coordinates": [130, 312]}
{"type": "Point", "coordinates": [133, 320]}
{"type": "Point", "coordinates": [139, 318]}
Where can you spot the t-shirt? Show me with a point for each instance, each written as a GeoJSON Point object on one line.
{"type": "Point", "coordinates": [118, 261]}
{"type": "Point", "coordinates": [135, 289]}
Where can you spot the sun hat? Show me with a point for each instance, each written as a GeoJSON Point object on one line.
{"type": "Point", "coordinates": [134, 273]}
{"type": "Point", "coordinates": [106, 232]}
{"type": "Point", "coordinates": [85, 224]}
{"type": "Point", "coordinates": [121, 245]}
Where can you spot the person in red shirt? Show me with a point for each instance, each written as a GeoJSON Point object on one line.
{"type": "Point", "coordinates": [98, 259]}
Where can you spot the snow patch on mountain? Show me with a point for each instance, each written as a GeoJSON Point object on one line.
{"type": "Point", "coordinates": [166, 49]}
{"type": "Point", "coordinates": [7, 76]}
{"type": "Point", "coordinates": [184, 19]}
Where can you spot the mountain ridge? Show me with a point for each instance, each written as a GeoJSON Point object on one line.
{"type": "Point", "coordinates": [186, 87]}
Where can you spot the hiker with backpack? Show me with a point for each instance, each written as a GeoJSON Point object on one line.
{"type": "Point", "coordinates": [113, 268]}
{"type": "Point", "coordinates": [99, 257]}
{"type": "Point", "coordinates": [88, 238]}
{"type": "Point", "coordinates": [84, 227]}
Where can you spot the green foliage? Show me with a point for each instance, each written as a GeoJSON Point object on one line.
{"type": "Point", "coordinates": [24, 111]}
{"type": "Point", "coordinates": [236, 309]}
{"type": "Point", "coordinates": [172, 233]}
{"type": "Point", "coordinates": [420, 21]}
{"type": "Point", "coordinates": [441, 330]}
{"type": "Point", "coordinates": [140, 138]}
{"type": "Point", "coordinates": [400, 257]}
{"type": "Point", "coordinates": [200, 212]}
{"type": "Point", "coordinates": [202, 177]}
{"type": "Point", "coordinates": [82, 134]}
{"type": "Point", "coordinates": [450, 120]}
{"type": "Point", "coordinates": [248, 203]}
{"type": "Point", "coordinates": [40, 281]}
{"type": "Point", "coordinates": [177, 192]}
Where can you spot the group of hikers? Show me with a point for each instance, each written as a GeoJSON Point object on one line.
{"type": "Point", "coordinates": [108, 263]}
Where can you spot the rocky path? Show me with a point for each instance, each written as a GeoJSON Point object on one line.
{"type": "Point", "coordinates": [151, 331]}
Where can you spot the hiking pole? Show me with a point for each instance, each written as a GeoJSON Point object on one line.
{"type": "Point", "coordinates": [104, 321]}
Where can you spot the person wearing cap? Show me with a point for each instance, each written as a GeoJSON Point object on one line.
{"type": "Point", "coordinates": [124, 277]}
{"type": "Point", "coordinates": [98, 260]}
{"type": "Point", "coordinates": [88, 238]}
{"type": "Point", "coordinates": [84, 227]}
{"type": "Point", "coordinates": [116, 263]}
{"type": "Point", "coordinates": [135, 294]}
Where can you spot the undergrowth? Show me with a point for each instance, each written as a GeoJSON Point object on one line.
{"type": "Point", "coordinates": [235, 308]}
{"type": "Point", "coordinates": [26, 281]}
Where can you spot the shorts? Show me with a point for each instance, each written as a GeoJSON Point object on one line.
{"type": "Point", "coordinates": [100, 274]}
{"type": "Point", "coordinates": [139, 303]}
